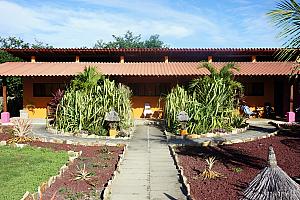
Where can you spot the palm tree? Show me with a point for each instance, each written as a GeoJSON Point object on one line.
{"type": "Point", "coordinates": [87, 79]}
{"type": "Point", "coordinates": [225, 73]}
{"type": "Point", "coordinates": [286, 17]}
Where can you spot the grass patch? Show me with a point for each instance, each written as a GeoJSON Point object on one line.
{"type": "Point", "coordinates": [25, 169]}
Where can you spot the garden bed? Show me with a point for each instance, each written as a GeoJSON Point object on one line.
{"type": "Point", "coordinates": [239, 163]}
{"type": "Point", "coordinates": [100, 161]}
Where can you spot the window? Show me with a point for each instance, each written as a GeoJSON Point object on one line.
{"type": "Point", "coordinates": [254, 89]}
{"type": "Point", "coordinates": [46, 89]}
{"type": "Point", "coordinates": [149, 89]}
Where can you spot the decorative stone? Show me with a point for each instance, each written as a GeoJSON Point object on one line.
{"type": "Point", "coordinates": [20, 145]}
{"type": "Point", "coordinates": [205, 143]}
{"type": "Point", "coordinates": [236, 141]}
{"type": "Point", "coordinates": [2, 143]}
{"type": "Point", "coordinates": [69, 142]}
{"type": "Point", "coordinates": [26, 196]}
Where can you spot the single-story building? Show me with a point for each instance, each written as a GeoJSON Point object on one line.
{"type": "Point", "coordinates": [151, 73]}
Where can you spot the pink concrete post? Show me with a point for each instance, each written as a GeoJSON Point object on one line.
{"type": "Point", "coordinates": [5, 116]}
{"type": "Point", "coordinates": [290, 116]}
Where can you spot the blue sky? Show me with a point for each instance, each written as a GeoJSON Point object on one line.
{"type": "Point", "coordinates": [180, 23]}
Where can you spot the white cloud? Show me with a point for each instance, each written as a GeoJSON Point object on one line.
{"type": "Point", "coordinates": [82, 26]}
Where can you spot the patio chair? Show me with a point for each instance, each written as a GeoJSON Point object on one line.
{"type": "Point", "coordinates": [247, 112]}
{"type": "Point", "coordinates": [147, 110]}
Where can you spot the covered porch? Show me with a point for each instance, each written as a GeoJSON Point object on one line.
{"type": "Point", "coordinates": [149, 82]}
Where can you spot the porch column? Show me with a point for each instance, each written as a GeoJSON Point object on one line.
{"type": "Point", "coordinates": [210, 58]}
{"type": "Point", "coordinates": [291, 98]}
{"type": "Point", "coordinates": [122, 59]}
{"type": "Point", "coordinates": [33, 59]}
{"type": "Point", "coordinates": [4, 94]}
{"type": "Point", "coordinates": [77, 59]}
{"type": "Point", "coordinates": [166, 59]}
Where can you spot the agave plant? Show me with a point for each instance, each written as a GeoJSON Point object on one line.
{"type": "Point", "coordinates": [21, 129]}
{"type": "Point", "coordinates": [82, 174]}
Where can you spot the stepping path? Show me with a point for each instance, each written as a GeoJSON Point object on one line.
{"type": "Point", "coordinates": [148, 170]}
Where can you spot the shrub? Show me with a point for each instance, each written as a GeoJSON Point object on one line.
{"type": "Point", "coordinates": [89, 98]}
{"type": "Point", "coordinates": [210, 101]}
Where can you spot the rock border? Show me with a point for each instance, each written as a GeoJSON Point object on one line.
{"type": "Point", "coordinates": [91, 136]}
{"type": "Point", "coordinates": [215, 141]}
{"type": "Point", "coordinates": [45, 185]}
{"type": "Point", "coordinates": [207, 135]}
{"type": "Point", "coordinates": [182, 177]}
{"type": "Point", "coordinates": [106, 193]}
{"type": "Point", "coordinates": [66, 141]}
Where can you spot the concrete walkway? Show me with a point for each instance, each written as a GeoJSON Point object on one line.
{"type": "Point", "coordinates": [148, 170]}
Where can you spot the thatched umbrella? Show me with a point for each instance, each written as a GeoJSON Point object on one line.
{"type": "Point", "coordinates": [272, 183]}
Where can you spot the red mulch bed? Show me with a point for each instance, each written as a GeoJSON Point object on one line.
{"type": "Point", "coordinates": [100, 160]}
{"type": "Point", "coordinates": [239, 163]}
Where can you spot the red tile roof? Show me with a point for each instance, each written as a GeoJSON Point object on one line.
{"type": "Point", "coordinates": [140, 69]}
{"type": "Point", "coordinates": [127, 50]}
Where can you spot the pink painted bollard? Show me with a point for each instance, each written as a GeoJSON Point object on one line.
{"type": "Point", "coordinates": [290, 116]}
{"type": "Point", "coordinates": [5, 117]}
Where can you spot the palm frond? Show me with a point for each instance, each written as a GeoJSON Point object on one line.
{"type": "Point", "coordinates": [226, 71]}
{"type": "Point", "coordinates": [286, 17]}
{"type": "Point", "coordinates": [210, 68]}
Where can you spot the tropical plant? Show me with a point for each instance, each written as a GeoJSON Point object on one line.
{"type": "Point", "coordinates": [88, 79]}
{"type": "Point", "coordinates": [209, 101]}
{"type": "Point", "coordinates": [286, 17]}
{"type": "Point", "coordinates": [89, 98]}
{"type": "Point", "coordinates": [238, 121]}
{"type": "Point", "coordinates": [53, 105]}
{"type": "Point", "coordinates": [208, 173]}
{"type": "Point", "coordinates": [21, 129]}
{"type": "Point", "coordinates": [177, 100]}
{"type": "Point", "coordinates": [57, 96]}
{"type": "Point", "coordinates": [82, 174]}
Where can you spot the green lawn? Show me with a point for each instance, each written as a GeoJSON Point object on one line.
{"type": "Point", "coordinates": [24, 169]}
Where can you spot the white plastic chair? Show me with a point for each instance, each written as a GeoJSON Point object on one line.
{"type": "Point", "coordinates": [147, 110]}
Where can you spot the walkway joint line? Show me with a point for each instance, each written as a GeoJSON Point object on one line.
{"type": "Point", "coordinates": [148, 138]}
